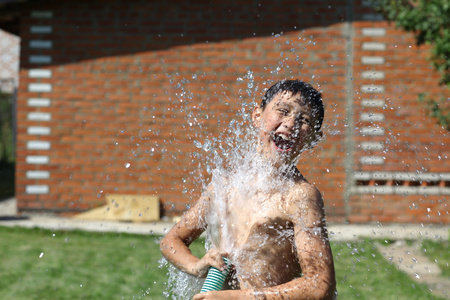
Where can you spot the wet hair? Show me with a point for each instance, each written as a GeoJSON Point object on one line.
{"type": "Point", "coordinates": [309, 94]}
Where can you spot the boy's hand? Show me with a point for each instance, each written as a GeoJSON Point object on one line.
{"type": "Point", "coordinates": [213, 258]}
{"type": "Point", "coordinates": [210, 295]}
{"type": "Point", "coordinates": [218, 295]}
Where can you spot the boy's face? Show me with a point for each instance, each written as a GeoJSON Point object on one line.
{"type": "Point", "coordinates": [285, 127]}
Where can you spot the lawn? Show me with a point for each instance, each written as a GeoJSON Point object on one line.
{"type": "Point", "coordinates": [44, 264]}
{"type": "Point", "coordinates": [438, 252]}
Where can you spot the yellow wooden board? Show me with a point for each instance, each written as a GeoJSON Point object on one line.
{"type": "Point", "coordinates": [122, 207]}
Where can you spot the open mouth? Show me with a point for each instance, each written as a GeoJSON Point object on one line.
{"type": "Point", "coordinates": [282, 142]}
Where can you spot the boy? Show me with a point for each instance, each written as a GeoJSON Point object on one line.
{"type": "Point", "coordinates": [277, 243]}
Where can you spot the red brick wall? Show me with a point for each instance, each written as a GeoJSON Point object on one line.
{"type": "Point", "coordinates": [127, 79]}
{"type": "Point", "coordinates": [413, 180]}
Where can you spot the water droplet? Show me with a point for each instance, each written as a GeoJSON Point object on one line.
{"type": "Point", "coordinates": [197, 144]}
{"type": "Point", "coordinates": [207, 145]}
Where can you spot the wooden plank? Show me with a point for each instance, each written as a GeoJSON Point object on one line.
{"type": "Point", "coordinates": [123, 207]}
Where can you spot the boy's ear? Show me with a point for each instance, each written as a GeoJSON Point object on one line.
{"type": "Point", "coordinates": [256, 116]}
{"type": "Point", "coordinates": [316, 138]}
{"type": "Point", "coordinates": [319, 135]}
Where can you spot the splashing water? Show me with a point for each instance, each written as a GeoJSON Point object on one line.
{"type": "Point", "coordinates": [219, 157]}
{"type": "Point", "coordinates": [180, 285]}
{"type": "Point", "coordinates": [241, 179]}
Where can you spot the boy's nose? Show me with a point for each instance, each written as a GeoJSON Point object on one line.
{"type": "Point", "coordinates": [289, 123]}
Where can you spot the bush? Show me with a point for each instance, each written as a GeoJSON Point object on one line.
{"type": "Point", "coordinates": [429, 20]}
{"type": "Point", "coordinates": [6, 146]}
{"type": "Point", "coordinates": [6, 129]}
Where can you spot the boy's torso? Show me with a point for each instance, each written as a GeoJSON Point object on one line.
{"type": "Point", "coordinates": [261, 234]}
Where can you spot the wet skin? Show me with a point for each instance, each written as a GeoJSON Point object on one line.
{"type": "Point", "coordinates": [285, 118]}
{"type": "Point", "coordinates": [272, 244]}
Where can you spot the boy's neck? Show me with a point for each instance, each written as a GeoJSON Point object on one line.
{"type": "Point", "coordinates": [292, 172]}
{"type": "Point", "coordinates": [289, 171]}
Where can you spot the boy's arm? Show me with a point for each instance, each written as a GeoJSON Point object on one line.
{"type": "Point", "coordinates": [313, 247]}
{"type": "Point", "coordinates": [313, 250]}
{"type": "Point", "coordinates": [175, 245]}
{"type": "Point", "coordinates": [314, 254]}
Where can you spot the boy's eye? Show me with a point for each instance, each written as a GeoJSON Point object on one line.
{"type": "Point", "coordinates": [283, 112]}
{"type": "Point", "coordinates": [304, 120]}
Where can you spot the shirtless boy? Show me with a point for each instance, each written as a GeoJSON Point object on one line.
{"type": "Point", "coordinates": [278, 244]}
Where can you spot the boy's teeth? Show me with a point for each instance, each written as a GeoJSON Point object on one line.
{"type": "Point", "coordinates": [284, 137]}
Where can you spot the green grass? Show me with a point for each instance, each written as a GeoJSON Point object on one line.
{"type": "Point", "coordinates": [362, 273]}
{"type": "Point", "coordinates": [438, 252]}
{"type": "Point", "coordinates": [43, 264]}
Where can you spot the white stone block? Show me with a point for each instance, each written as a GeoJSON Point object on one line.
{"type": "Point", "coordinates": [372, 146]}
{"type": "Point", "coordinates": [37, 189]}
{"type": "Point", "coordinates": [373, 103]}
{"type": "Point", "coordinates": [357, 175]}
{"type": "Point", "coordinates": [41, 44]}
{"type": "Point", "coordinates": [373, 31]}
{"type": "Point", "coordinates": [382, 175]}
{"type": "Point", "coordinates": [429, 176]}
{"type": "Point", "coordinates": [373, 60]}
{"type": "Point", "coordinates": [41, 29]}
{"type": "Point", "coordinates": [372, 117]}
{"type": "Point", "coordinates": [38, 130]}
{"type": "Point", "coordinates": [372, 160]}
{"type": "Point", "coordinates": [372, 46]}
{"type": "Point", "coordinates": [38, 174]}
{"type": "Point", "coordinates": [372, 17]}
{"type": "Point", "coordinates": [420, 190]}
{"type": "Point", "coordinates": [39, 102]}
{"type": "Point", "coordinates": [40, 87]}
{"type": "Point", "coordinates": [40, 59]}
{"type": "Point", "coordinates": [39, 116]}
{"type": "Point", "coordinates": [372, 88]}
{"type": "Point", "coordinates": [372, 75]}
{"type": "Point", "coordinates": [445, 176]}
{"type": "Point", "coordinates": [38, 145]}
{"type": "Point", "coordinates": [372, 131]}
{"type": "Point", "coordinates": [41, 14]}
{"type": "Point", "coordinates": [39, 73]}
{"type": "Point", "coordinates": [37, 159]}
{"type": "Point", "coordinates": [381, 190]}
{"type": "Point", "coordinates": [402, 176]}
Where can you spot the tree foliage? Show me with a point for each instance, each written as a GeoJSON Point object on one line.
{"type": "Point", "coordinates": [429, 20]}
{"type": "Point", "coordinates": [6, 131]}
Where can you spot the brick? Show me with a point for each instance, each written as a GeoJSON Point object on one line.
{"type": "Point", "coordinates": [104, 101]}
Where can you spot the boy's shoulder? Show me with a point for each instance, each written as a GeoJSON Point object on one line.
{"type": "Point", "coordinates": [304, 195]}
{"type": "Point", "coordinates": [304, 190]}
{"type": "Point", "coordinates": [302, 185]}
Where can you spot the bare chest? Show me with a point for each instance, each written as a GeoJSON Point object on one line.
{"type": "Point", "coordinates": [256, 221]}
